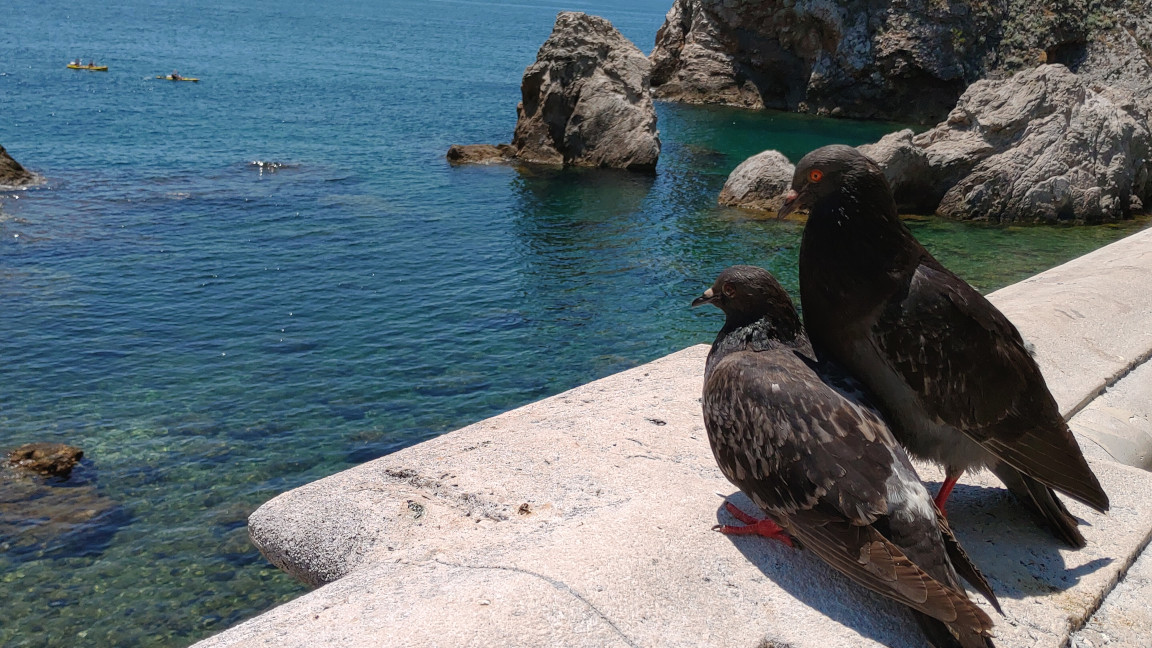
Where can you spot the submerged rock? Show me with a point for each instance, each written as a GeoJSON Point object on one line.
{"type": "Point", "coordinates": [1044, 145]}
{"type": "Point", "coordinates": [906, 60]}
{"type": "Point", "coordinates": [759, 182]}
{"type": "Point", "coordinates": [51, 459]}
{"type": "Point", "coordinates": [480, 153]}
{"type": "Point", "coordinates": [46, 513]}
{"type": "Point", "coordinates": [12, 174]}
{"type": "Point", "coordinates": [585, 102]}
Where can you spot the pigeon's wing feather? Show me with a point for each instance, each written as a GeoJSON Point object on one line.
{"type": "Point", "coordinates": [972, 370]}
{"type": "Point", "coordinates": [788, 440]}
{"type": "Point", "coordinates": [862, 554]}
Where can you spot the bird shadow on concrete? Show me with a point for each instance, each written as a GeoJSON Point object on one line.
{"type": "Point", "coordinates": [1017, 555]}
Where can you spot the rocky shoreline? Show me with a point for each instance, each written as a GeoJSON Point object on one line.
{"type": "Point", "coordinates": [1043, 115]}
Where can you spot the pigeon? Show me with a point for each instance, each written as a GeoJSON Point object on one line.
{"type": "Point", "coordinates": [796, 438]}
{"type": "Point", "coordinates": [954, 378]}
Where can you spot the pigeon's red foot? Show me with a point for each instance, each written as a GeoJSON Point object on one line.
{"type": "Point", "coordinates": [753, 526]}
{"type": "Point", "coordinates": [945, 491]}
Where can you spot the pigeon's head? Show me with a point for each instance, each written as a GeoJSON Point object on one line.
{"type": "Point", "coordinates": [828, 173]}
{"type": "Point", "coordinates": [747, 294]}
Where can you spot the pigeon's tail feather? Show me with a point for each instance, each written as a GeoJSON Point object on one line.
{"type": "Point", "coordinates": [940, 636]}
{"type": "Point", "coordinates": [963, 564]}
{"type": "Point", "coordinates": [1043, 502]}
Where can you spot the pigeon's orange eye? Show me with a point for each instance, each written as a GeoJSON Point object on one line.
{"type": "Point", "coordinates": [815, 175]}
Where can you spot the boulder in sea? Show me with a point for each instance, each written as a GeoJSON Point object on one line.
{"type": "Point", "coordinates": [759, 183]}
{"type": "Point", "coordinates": [50, 459]}
{"type": "Point", "coordinates": [1044, 145]}
{"type": "Point", "coordinates": [905, 60]}
{"type": "Point", "coordinates": [586, 100]}
{"type": "Point", "coordinates": [12, 174]}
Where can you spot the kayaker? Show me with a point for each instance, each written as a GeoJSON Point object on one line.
{"type": "Point", "coordinates": [175, 75]}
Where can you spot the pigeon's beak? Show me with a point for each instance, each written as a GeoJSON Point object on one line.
{"type": "Point", "coordinates": [707, 298]}
{"type": "Point", "coordinates": [789, 204]}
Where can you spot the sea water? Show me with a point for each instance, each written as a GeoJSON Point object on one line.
{"type": "Point", "coordinates": [212, 331]}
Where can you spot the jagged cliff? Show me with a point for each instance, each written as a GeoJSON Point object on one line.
{"type": "Point", "coordinates": [906, 60]}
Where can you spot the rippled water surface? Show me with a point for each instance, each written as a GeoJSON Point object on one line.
{"type": "Point", "coordinates": [213, 332]}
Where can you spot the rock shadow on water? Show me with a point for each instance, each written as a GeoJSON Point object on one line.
{"type": "Point", "coordinates": [593, 209]}
{"type": "Point", "coordinates": [1018, 556]}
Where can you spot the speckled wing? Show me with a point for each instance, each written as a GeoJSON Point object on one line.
{"type": "Point", "coordinates": [971, 370]}
{"type": "Point", "coordinates": [864, 555]}
{"type": "Point", "coordinates": [788, 440]}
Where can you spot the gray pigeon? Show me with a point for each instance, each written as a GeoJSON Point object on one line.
{"type": "Point", "coordinates": [951, 373]}
{"type": "Point", "coordinates": [795, 436]}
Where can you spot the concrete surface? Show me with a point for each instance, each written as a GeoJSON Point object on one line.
{"type": "Point", "coordinates": [584, 519]}
{"type": "Point", "coordinates": [1125, 619]}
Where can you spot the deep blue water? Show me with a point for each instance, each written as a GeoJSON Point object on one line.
{"type": "Point", "coordinates": [213, 334]}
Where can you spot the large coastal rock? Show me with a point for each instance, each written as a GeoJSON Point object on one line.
{"type": "Point", "coordinates": [759, 183]}
{"type": "Point", "coordinates": [12, 174]}
{"type": "Point", "coordinates": [1044, 145]}
{"type": "Point", "coordinates": [586, 100]}
{"type": "Point", "coordinates": [894, 59]}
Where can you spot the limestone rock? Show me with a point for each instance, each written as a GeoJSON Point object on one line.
{"type": "Point", "coordinates": [906, 166]}
{"type": "Point", "coordinates": [480, 153]}
{"type": "Point", "coordinates": [759, 182]}
{"type": "Point", "coordinates": [1044, 145]}
{"type": "Point", "coordinates": [52, 459]}
{"type": "Point", "coordinates": [907, 60]}
{"type": "Point", "coordinates": [1119, 51]}
{"type": "Point", "coordinates": [12, 174]}
{"type": "Point", "coordinates": [586, 100]}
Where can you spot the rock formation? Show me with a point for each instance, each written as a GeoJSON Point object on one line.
{"type": "Point", "coordinates": [12, 174]}
{"type": "Point", "coordinates": [892, 59]}
{"type": "Point", "coordinates": [1044, 145]}
{"type": "Point", "coordinates": [585, 102]}
{"type": "Point", "coordinates": [759, 182]}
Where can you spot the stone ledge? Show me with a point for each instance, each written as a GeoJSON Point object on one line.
{"type": "Point", "coordinates": [584, 519]}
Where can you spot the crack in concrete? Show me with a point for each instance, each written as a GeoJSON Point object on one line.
{"type": "Point", "coordinates": [557, 584]}
{"type": "Point", "coordinates": [1108, 383]}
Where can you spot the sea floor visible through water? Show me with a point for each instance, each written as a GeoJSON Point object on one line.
{"type": "Point", "coordinates": [212, 331]}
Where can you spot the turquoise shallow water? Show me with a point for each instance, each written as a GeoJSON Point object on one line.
{"type": "Point", "coordinates": [212, 334]}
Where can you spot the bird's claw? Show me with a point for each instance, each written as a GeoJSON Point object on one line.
{"type": "Point", "coordinates": [753, 526]}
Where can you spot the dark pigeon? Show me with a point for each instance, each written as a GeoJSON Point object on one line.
{"type": "Point", "coordinates": [955, 379]}
{"type": "Point", "coordinates": [796, 437]}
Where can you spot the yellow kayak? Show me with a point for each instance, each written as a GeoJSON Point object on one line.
{"type": "Point", "coordinates": [172, 78]}
{"type": "Point", "coordinates": [94, 68]}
